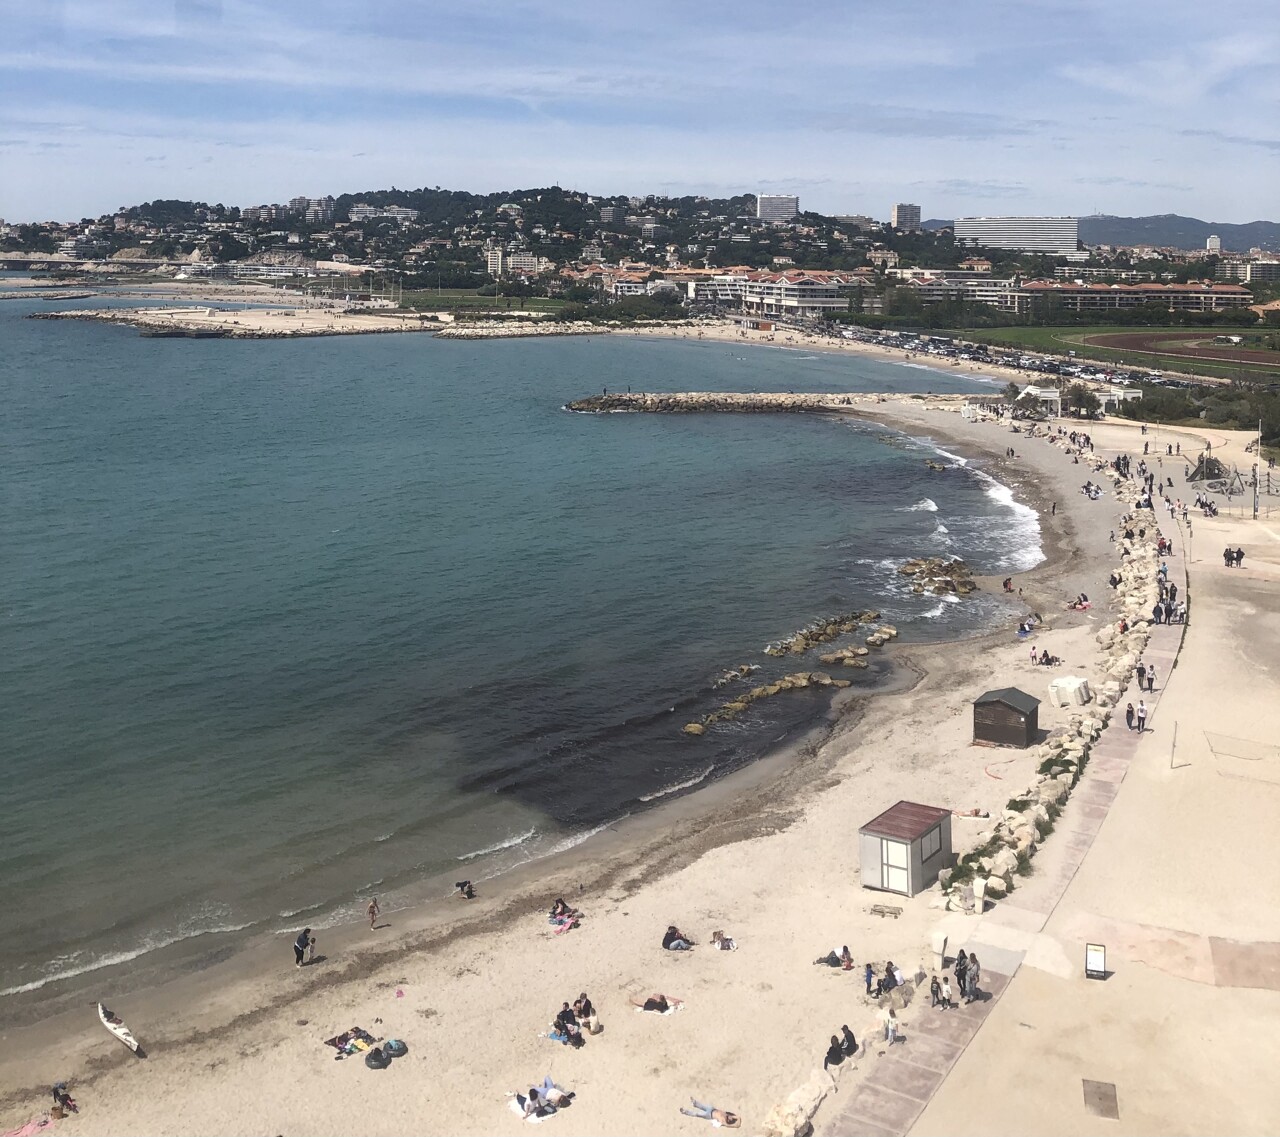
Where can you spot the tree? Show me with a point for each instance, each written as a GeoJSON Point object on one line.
{"type": "Point", "coordinates": [1012, 392]}
{"type": "Point", "coordinates": [1082, 400]}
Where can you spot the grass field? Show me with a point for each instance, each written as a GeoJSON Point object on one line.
{"type": "Point", "coordinates": [1059, 341]}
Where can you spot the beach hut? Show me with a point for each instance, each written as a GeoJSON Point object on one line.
{"type": "Point", "coordinates": [905, 848]}
{"type": "Point", "coordinates": [1005, 717]}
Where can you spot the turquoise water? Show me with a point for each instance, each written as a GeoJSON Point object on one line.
{"type": "Point", "coordinates": [284, 623]}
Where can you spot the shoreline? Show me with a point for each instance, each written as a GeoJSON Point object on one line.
{"type": "Point", "coordinates": [774, 786]}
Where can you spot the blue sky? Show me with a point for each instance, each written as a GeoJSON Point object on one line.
{"type": "Point", "coordinates": [964, 106]}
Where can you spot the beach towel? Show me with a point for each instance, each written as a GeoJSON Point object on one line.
{"type": "Point", "coordinates": [35, 1125]}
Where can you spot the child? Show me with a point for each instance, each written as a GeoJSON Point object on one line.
{"type": "Point", "coordinates": [946, 993]}
{"type": "Point", "coordinates": [935, 992]}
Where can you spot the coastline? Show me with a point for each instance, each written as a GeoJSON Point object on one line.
{"type": "Point", "coordinates": [758, 804]}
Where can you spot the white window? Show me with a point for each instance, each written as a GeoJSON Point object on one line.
{"type": "Point", "coordinates": [931, 843]}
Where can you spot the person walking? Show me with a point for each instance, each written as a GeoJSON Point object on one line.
{"type": "Point", "coordinates": [1142, 675]}
{"type": "Point", "coordinates": [1128, 716]}
{"type": "Point", "coordinates": [962, 968]}
{"type": "Point", "coordinates": [1142, 716]}
{"type": "Point", "coordinates": [935, 992]}
{"type": "Point", "coordinates": [946, 993]}
{"type": "Point", "coordinates": [300, 946]}
{"type": "Point", "coordinates": [974, 977]}
{"type": "Point", "coordinates": [373, 912]}
{"type": "Point", "coordinates": [1151, 675]}
{"type": "Point", "coordinates": [1239, 558]}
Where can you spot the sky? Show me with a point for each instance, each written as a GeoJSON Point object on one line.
{"type": "Point", "coordinates": [963, 106]}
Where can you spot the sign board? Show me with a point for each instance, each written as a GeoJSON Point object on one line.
{"type": "Point", "coordinates": [1095, 961]}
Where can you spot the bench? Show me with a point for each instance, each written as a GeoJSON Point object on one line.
{"type": "Point", "coordinates": [885, 910]}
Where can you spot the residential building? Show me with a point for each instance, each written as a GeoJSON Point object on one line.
{"type": "Point", "coordinates": [858, 221]}
{"type": "Point", "coordinates": [1054, 235]}
{"type": "Point", "coordinates": [797, 294]}
{"type": "Point", "coordinates": [776, 207]}
{"type": "Point", "coordinates": [362, 212]}
{"type": "Point", "coordinates": [905, 217]}
{"type": "Point", "coordinates": [1200, 297]}
{"type": "Point", "coordinates": [500, 262]}
{"type": "Point", "coordinates": [319, 210]}
{"type": "Point", "coordinates": [612, 215]}
{"type": "Point", "coordinates": [1213, 244]}
{"type": "Point", "coordinates": [724, 289]}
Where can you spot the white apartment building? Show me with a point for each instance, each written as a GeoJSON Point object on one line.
{"type": "Point", "coordinates": [905, 217]}
{"type": "Point", "coordinates": [799, 294]}
{"type": "Point", "coordinates": [1213, 244]}
{"type": "Point", "coordinates": [362, 212]}
{"type": "Point", "coordinates": [723, 289]}
{"type": "Point", "coordinates": [776, 206]}
{"type": "Point", "coordinates": [500, 262]}
{"type": "Point", "coordinates": [1054, 235]}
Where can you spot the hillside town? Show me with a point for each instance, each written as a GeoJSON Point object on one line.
{"type": "Point", "coordinates": [760, 255]}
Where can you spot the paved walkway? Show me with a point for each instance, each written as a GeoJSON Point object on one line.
{"type": "Point", "coordinates": [902, 1082]}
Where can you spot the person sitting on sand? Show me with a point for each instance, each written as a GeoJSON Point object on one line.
{"type": "Point", "coordinates": [710, 1113]}
{"type": "Point", "coordinates": [846, 960]}
{"type": "Point", "coordinates": [586, 1014]}
{"type": "Point", "coordinates": [465, 890]}
{"type": "Point", "coordinates": [676, 940]}
{"type": "Point", "coordinates": [722, 942]}
{"type": "Point", "coordinates": [561, 911]}
{"type": "Point", "coordinates": [835, 1053]}
{"type": "Point", "coordinates": [849, 1044]}
{"type": "Point", "coordinates": [567, 1019]}
{"type": "Point", "coordinates": [659, 1004]}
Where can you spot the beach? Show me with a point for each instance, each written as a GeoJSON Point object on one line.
{"type": "Point", "coordinates": [768, 854]}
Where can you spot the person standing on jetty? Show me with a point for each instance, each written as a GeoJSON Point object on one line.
{"type": "Point", "coordinates": [1142, 716]}
{"type": "Point", "coordinates": [300, 946]}
{"type": "Point", "coordinates": [1128, 716]}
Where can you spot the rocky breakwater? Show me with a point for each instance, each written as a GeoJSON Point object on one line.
{"type": "Point", "coordinates": [939, 576]}
{"type": "Point", "coordinates": [821, 631]}
{"type": "Point", "coordinates": [516, 329]}
{"type": "Point", "coordinates": [701, 402]}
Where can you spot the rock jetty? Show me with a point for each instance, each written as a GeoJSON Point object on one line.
{"type": "Point", "coordinates": [939, 576]}
{"type": "Point", "coordinates": [722, 402]}
{"type": "Point", "coordinates": [734, 707]}
{"type": "Point", "coordinates": [820, 632]}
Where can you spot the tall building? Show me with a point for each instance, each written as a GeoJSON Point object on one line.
{"type": "Point", "coordinates": [612, 215]}
{"type": "Point", "coordinates": [905, 217]}
{"type": "Point", "coordinates": [1024, 234]}
{"type": "Point", "coordinates": [776, 207]}
{"type": "Point", "coordinates": [1213, 244]}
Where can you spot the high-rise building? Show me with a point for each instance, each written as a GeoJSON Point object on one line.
{"type": "Point", "coordinates": [1213, 244]}
{"type": "Point", "coordinates": [1055, 235]}
{"type": "Point", "coordinates": [776, 207]}
{"type": "Point", "coordinates": [612, 215]}
{"type": "Point", "coordinates": [905, 217]}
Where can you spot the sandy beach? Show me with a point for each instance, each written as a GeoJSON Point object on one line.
{"type": "Point", "coordinates": [768, 855]}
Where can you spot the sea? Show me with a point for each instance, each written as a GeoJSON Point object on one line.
{"type": "Point", "coordinates": [287, 624]}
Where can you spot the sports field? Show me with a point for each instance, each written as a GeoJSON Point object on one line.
{"type": "Point", "coordinates": [1180, 349]}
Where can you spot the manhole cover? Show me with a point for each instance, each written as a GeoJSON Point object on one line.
{"type": "Point", "coordinates": [1100, 1099]}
